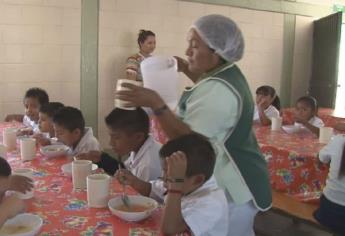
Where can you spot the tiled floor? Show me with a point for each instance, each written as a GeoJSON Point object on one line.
{"type": "Point", "coordinates": [273, 224]}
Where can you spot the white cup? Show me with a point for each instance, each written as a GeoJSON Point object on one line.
{"type": "Point", "coordinates": [98, 190]}
{"type": "Point", "coordinates": [2, 151]}
{"type": "Point", "coordinates": [325, 134]}
{"type": "Point", "coordinates": [80, 170]}
{"type": "Point", "coordinates": [276, 123]}
{"type": "Point", "coordinates": [120, 103]}
{"type": "Point", "coordinates": [9, 136]}
{"type": "Point", "coordinates": [27, 148]}
{"type": "Point", "coordinates": [27, 172]}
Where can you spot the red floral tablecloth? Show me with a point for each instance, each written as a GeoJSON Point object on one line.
{"type": "Point", "coordinates": [64, 211]}
{"type": "Point", "coordinates": [292, 162]}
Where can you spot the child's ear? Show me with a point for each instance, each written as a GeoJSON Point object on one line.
{"type": "Point", "coordinates": [198, 179]}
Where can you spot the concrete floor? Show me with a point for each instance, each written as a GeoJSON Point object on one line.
{"type": "Point", "coordinates": [273, 224]}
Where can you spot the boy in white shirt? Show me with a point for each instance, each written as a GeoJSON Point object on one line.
{"type": "Point", "coordinates": [193, 201]}
{"type": "Point", "coordinates": [69, 126]}
{"type": "Point", "coordinates": [331, 212]}
{"type": "Point", "coordinates": [267, 105]}
{"type": "Point", "coordinates": [129, 134]}
{"type": "Point", "coordinates": [306, 114]}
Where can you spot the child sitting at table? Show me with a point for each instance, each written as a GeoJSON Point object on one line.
{"type": "Point", "coordinates": [193, 201]}
{"type": "Point", "coordinates": [34, 98]}
{"type": "Point", "coordinates": [12, 182]}
{"type": "Point", "coordinates": [331, 212]}
{"type": "Point", "coordinates": [45, 123]}
{"type": "Point", "coordinates": [267, 105]}
{"type": "Point", "coordinates": [69, 126]}
{"type": "Point", "coordinates": [306, 114]}
{"type": "Point", "coordinates": [129, 134]}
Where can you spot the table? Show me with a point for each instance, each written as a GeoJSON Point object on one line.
{"type": "Point", "coordinates": [64, 211]}
{"type": "Point", "coordinates": [292, 162]}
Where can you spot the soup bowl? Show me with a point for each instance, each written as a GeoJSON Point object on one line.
{"type": "Point", "coordinates": [140, 207]}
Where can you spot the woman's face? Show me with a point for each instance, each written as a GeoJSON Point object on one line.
{"type": "Point", "coordinates": [149, 45]}
{"type": "Point", "coordinates": [200, 57]}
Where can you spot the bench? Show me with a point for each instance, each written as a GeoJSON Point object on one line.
{"type": "Point", "coordinates": [289, 206]}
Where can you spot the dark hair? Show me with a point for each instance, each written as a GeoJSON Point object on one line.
{"type": "Point", "coordinates": [309, 101]}
{"type": "Point", "coordinates": [128, 120]}
{"type": "Point", "coordinates": [5, 168]}
{"type": "Point", "coordinates": [342, 164]}
{"type": "Point", "coordinates": [143, 35]}
{"type": "Point", "coordinates": [38, 93]}
{"type": "Point", "coordinates": [200, 154]}
{"type": "Point", "coordinates": [70, 118]}
{"type": "Point", "coordinates": [51, 108]}
{"type": "Point", "coordinates": [268, 90]}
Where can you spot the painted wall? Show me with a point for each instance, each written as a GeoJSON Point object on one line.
{"type": "Point", "coordinates": [39, 46]}
{"type": "Point", "coordinates": [121, 20]}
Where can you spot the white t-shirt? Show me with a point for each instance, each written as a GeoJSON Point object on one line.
{"type": "Point", "coordinates": [87, 143]}
{"type": "Point", "coordinates": [145, 164]}
{"type": "Point", "coordinates": [315, 121]}
{"type": "Point", "coordinates": [205, 210]}
{"type": "Point", "coordinates": [30, 123]}
{"type": "Point", "coordinates": [270, 112]}
{"type": "Point", "coordinates": [335, 185]}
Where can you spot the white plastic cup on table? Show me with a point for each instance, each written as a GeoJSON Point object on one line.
{"type": "Point", "coordinates": [276, 123]}
{"type": "Point", "coordinates": [160, 74]}
{"type": "Point", "coordinates": [120, 103]}
{"type": "Point", "coordinates": [325, 134]}
{"type": "Point", "coordinates": [98, 190]}
{"type": "Point", "coordinates": [27, 149]}
{"type": "Point", "coordinates": [80, 170]}
{"type": "Point", "coordinates": [9, 136]}
{"type": "Point", "coordinates": [2, 151]}
{"type": "Point", "coordinates": [27, 172]}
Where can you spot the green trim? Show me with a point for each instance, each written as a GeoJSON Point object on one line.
{"type": "Point", "coordinates": [287, 63]}
{"type": "Point", "coordinates": [89, 63]}
{"type": "Point", "coordinates": [280, 6]}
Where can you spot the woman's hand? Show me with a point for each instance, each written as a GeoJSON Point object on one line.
{"type": "Point", "coordinates": [139, 97]}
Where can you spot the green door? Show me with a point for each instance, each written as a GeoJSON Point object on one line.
{"type": "Point", "coordinates": [326, 45]}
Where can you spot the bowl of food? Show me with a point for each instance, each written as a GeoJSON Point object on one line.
{"type": "Point", "coordinates": [67, 168]}
{"type": "Point", "coordinates": [140, 207]}
{"type": "Point", "coordinates": [290, 129]}
{"type": "Point", "coordinates": [25, 224]}
{"type": "Point", "coordinates": [54, 150]}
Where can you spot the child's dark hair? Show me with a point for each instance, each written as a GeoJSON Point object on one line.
{"type": "Point", "coordinates": [268, 90]}
{"type": "Point", "coordinates": [128, 120]}
{"type": "Point", "coordinates": [309, 101]}
{"type": "Point", "coordinates": [200, 154]}
{"type": "Point", "coordinates": [70, 118]}
{"type": "Point", "coordinates": [5, 168]}
{"type": "Point", "coordinates": [51, 108]}
{"type": "Point", "coordinates": [38, 93]}
{"type": "Point", "coordinates": [143, 35]}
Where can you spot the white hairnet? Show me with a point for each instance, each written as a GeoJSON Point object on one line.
{"type": "Point", "coordinates": [222, 35]}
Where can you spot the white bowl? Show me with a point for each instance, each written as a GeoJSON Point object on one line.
{"type": "Point", "coordinates": [25, 224]}
{"type": "Point", "coordinates": [116, 202]}
{"type": "Point", "coordinates": [290, 129]}
{"type": "Point", "coordinates": [54, 150]}
{"type": "Point", "coordinates": [67, 168]}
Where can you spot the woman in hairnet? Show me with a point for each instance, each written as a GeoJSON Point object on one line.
{"type": "Point", "coordinates": [219, 106]}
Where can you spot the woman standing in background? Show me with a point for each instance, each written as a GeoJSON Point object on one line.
{"type": "Point", "coordinates": [147, 44]}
